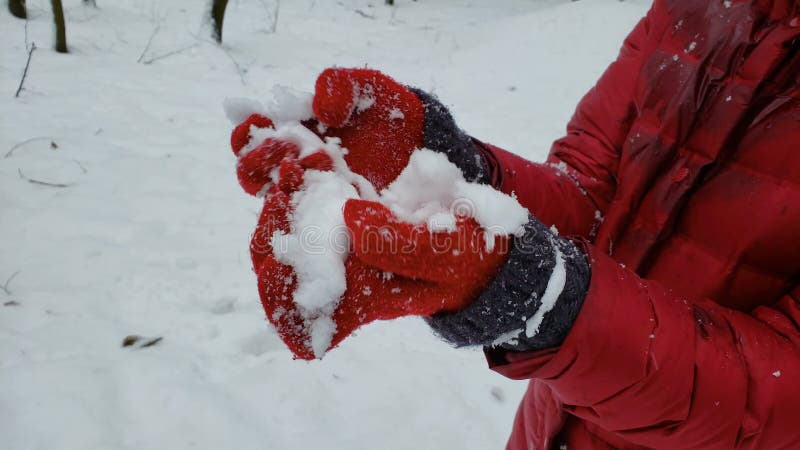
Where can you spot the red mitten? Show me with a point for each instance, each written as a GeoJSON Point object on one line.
{"type": "Point", "coordinates": [378, 120]}
{"type": "Point", "coordinates": [430, 273]}
{"type": "Point", "coordinates": [459, 259]}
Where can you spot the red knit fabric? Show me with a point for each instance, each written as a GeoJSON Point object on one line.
{"type": "Point", "coordinates": [378, 120]}
{"type": "Point", "coordinates": [405, 273]}
{"type": "Point", "coordinates": [241, 134]}
{"type": "Point", "coordinates": [254, 168]}
{"type": "Point", "coordinates": [459, 258]}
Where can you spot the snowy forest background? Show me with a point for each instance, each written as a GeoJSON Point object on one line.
{"type": "Point", "coordinates": [121, 221]}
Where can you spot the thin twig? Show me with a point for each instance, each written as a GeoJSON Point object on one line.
{"type": "Point", "coordinates": [137, 341]}
{"type": "Point", "coordinates": [239, 69]}
{"type": "Point", "coordinates": [43, 183]}
{"type": "Point", "coordinates": [149, 42]}
{"type": "Point", "coordinates": [83, 169]}
{"type": "Point", "coordinates": [365, 15]}
{"type": "Point", "coordinates": [8, 281]}
{"type": "Point", "coordinates": [25, 72]}
{"type": "Point", "coordinates": [168, 54]}
{"type": "Point", "coordinates": [238, 66]}
{"type": "Point", "coordinates": [275, 16]}
{"type": "Point", "coordinates": [26, 142]}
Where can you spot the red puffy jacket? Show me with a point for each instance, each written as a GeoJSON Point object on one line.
{"type": "Point", "coordinates": [682, 168]}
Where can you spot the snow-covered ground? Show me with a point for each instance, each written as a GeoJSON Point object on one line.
{"type": "Point", "coordinates": [150, 235]}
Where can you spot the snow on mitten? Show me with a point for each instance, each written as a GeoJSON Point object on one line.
{"type": "Point", "coordinates": [371, 295]}
{"type": "Point", "coordinates": [524, 296]}
{"type": "Point", "coordinates": [254, 171]}
{"type": "Point", "coordinates": [381, 121]}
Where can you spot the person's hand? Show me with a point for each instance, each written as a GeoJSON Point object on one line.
{"type": "Point", "coordinates": [523, 295]}
{"type": "Point", "coordinates": [395, 270]}
{"type": "Point", "coordinates": [381, 122]}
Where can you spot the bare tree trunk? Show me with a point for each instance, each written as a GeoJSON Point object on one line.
{"type": "Point", "coordinates": [17, 9]}
{"type": "Point", "coordinates": [61, 27]}
{"type": "Point", "coordinates": [218, 16]}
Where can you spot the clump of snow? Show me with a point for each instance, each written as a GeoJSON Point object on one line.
{"type": "Point", "coordinates": [310, 247]}
{"type": "Point", "coordinates": [287, 105]}
{"type": "Point", "coordinates": [364, 97]}
{"type": "Point", "coordinates": [237, 109]}
{"type": "Point", "coordinates": [432, 190]}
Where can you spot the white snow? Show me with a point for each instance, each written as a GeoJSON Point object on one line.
{"type": "Point", "coordinates": [152, 236]}
{"type": "Point", "coordinates": [237, 109]}
{"type": "Point", "coordinates": [433, 191]}
{"type": "Point", "coordinates": [313, 251]}
{"type": "Point", "coordinates": [287, 105]}
{"type": "Point", "coordinates": [555, 285]}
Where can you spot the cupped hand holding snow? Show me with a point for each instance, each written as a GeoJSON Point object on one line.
{"type": "Point", "coordinates": [430, 191]}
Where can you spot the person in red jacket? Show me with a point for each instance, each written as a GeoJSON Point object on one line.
{"type": "Point", "coordinates": [676, 266]}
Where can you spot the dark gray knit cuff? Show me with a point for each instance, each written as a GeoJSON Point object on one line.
{"type": "Point", "coordinates": [498, 316]}
{"type": "Point", "coordinates": [441, 134]}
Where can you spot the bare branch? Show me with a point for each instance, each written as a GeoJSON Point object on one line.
{"type": "Point", "coordinates": [364, 15]}
{"type": "Point", "coordinates": [149, 42]}
{"type": "Point", "coordinates": [168, 54]}
{"type": "Point", "coordinates": [276, 15]}
{"type": "Point", "coordinates": [25, 72]}
{"type": "Point", "coordinates": [26, 142]}
{"type": "Point", "coordinates": [43, 183]}
{"type": "Point", "coordinates": [4, 287]}
{"type": "Point", "coordinates": [137, 341]}
{"type": "Point", "coordinates": [83, 168]}
{"type": "Point", "coordinates": [241, 71]}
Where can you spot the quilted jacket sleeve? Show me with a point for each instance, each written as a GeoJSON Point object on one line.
{"type": "Point", "coordinates": [670, 372]}
{"type": "Point", "coordinates": [572, 189]}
